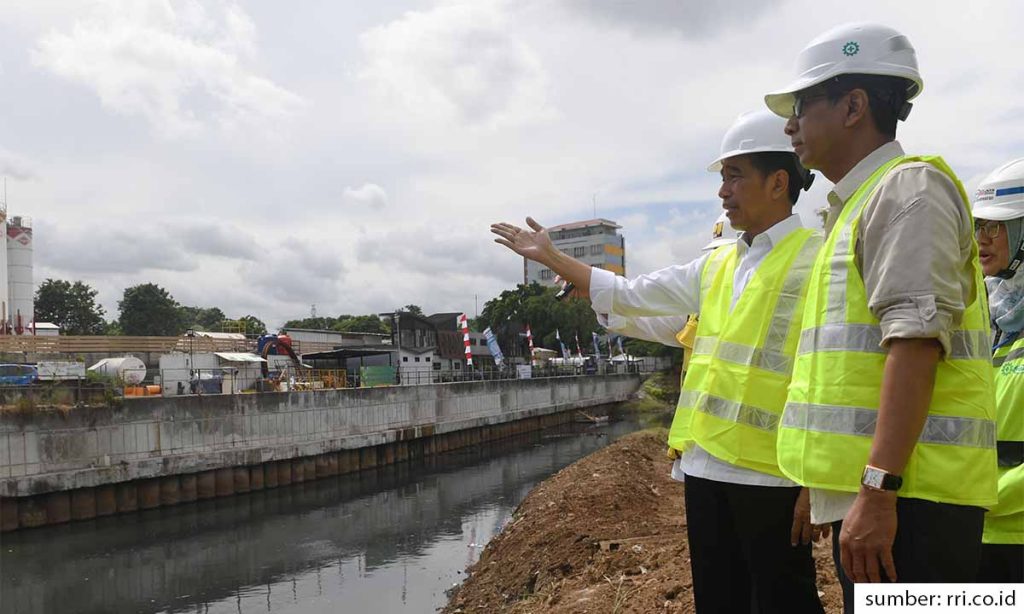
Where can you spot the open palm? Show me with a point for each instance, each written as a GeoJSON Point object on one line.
{"type": "Point", "coordinates": [533, 244]}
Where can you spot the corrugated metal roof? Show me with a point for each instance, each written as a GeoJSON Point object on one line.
{"type": "Point", "coordinates": [239, 357]}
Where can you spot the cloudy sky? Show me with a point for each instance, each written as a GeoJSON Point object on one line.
{"type": "Point", "coordinates": [264, 156]}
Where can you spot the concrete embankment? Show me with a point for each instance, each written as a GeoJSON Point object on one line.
{"type": "Point", "coordinates": [57, 466]}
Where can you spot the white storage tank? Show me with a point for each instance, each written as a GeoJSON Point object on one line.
{"type": "Point", "coordinates": [19, 274]}
{"type": "Point", "coordinates": [5, 301]}
{"type": "Point", "coordinates": [127, 369]}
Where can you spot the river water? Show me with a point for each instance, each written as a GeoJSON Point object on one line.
{"type": "Point", "coordinates": [392, 539]}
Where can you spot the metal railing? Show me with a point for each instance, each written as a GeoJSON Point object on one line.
{"type": "Point", "coordinates": [92, 391]}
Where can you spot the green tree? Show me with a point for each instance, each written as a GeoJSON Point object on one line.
{"type": "Point", "coordinates": [72, 306]}
{"type": "Point", "coordinates": [202, 318]}
{"type": "Point", "coordinates": [533, 304]}
{"type": "Point", "coordinates": [362, 324]}
{"type": "Point", "coordinates": [317, 323]}
{"type": "Point", "coordinates": [148, 309]}
{"type": "Point", "coordinates": [413, 309]}
{"type": "Point", "coordinates": [253, 325]}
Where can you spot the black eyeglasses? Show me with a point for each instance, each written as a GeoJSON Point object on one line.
{"type": "Point", "coordinates": [989, 228]}
{"type": "Point", "coordinates": [800, 102]}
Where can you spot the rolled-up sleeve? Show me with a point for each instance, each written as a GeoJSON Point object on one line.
{"type": "Point", "coordinates": [914, 251]}
{"type": "Point", "coordinates": [672, 291]}
{"type": "Point", "coordinates": [661, 330]}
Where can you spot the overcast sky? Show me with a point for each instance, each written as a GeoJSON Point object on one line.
{"type": "Point", "coordinates": [262, 156]}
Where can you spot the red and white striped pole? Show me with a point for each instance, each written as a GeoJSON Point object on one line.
{"type": "Point", "coordinates": [529, 338]}
{"type": "Point", "coordinates": [465, 339]}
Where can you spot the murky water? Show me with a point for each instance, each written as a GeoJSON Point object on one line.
{"type": "Point", "coordinates": [387, 540]}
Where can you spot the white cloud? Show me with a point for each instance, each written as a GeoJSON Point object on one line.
{"type": "Point", "coordinates": [457, 63]}
{"type": "Point", "coordinates": [180, 66]}
{"type": "Point", "coordinates": [367, 196]}
{"type": "Point", "coordinates": [15, 165]}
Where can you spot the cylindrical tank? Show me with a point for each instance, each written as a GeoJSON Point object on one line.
{"type": "Point", "coordinates": [128, 369]}
{"type": "Point", "coordinates": [5, 301]}
{"type": "Point", "coordinates": [19, 273]}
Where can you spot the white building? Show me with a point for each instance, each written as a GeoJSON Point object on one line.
{"type": "Point", "coordinates": [595, 242]}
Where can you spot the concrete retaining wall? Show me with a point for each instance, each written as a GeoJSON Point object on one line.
{"type": "Point", "coordinates": [57, 466]}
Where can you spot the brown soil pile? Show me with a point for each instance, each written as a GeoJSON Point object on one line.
{"type": "Point", "coordinates": [606, 534]}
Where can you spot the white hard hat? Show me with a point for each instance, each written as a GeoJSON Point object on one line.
{"type": "Point", "coordinates": [1000, 196]}
{"type": "Point", "coordinates": [853, 48]}
{"type": "Point", "coordinates": [722, 233]}
{"type": "Point", "coordinates": [753, 132]}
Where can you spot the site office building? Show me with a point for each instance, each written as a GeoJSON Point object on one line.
{"type": "Point", "coordinates": [596, 242]}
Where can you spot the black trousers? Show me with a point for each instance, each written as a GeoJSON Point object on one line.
{"type": "Point", "coordinates": [740, 551]}
{"type": "Point", "coordinates": [1001, 563]}
{"type": "Point", "coordinates": [935, 542]}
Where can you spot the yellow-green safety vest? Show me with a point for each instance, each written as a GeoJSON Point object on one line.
{"type": "Point", "coordinates": [735, 387]}
{"type": "Point", "coordinates": [830, 416]}
{"type": "Point", "coordinates": [1004, 523]}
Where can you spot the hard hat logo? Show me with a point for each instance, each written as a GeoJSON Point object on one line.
{"type": "Point", "coordinates": [851, 48]}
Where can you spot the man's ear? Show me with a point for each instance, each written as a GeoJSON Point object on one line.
{"type": "Point", "coordinates": [780, 184]}
{"type": "Point", "coordinates": [856, 107]}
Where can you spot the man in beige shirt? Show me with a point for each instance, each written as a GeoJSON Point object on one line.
{"type": "Point", "coordinates": [914, 252]}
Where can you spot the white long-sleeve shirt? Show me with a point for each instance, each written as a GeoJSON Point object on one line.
{"type": "Point", "coordinates": [669, 293]}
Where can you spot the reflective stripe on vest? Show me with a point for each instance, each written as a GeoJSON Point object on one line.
{"type": "Point", "coordinates": [832, 409]}
{"type": "Point", "coordinates": [1004, 522]}
{"type": "Point", "coordinates": [734, 385]}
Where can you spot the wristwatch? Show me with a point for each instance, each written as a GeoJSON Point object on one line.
{"type": "Point", "coordinates": [880, 479]}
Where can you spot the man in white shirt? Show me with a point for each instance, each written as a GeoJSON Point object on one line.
{"type": "Point", "coordinates": [749, 529]}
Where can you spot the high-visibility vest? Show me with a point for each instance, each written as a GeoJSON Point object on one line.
{"type": "Point", "coordinates": [1004, 523]}
{"type": "Point", "coordinates": [830, 416]}
{"type": "Point", "coordinates": [735, 388]}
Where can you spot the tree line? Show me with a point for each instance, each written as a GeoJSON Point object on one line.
{"type": "Point", "coordinates": [148, 309]}
{"type": "Point", "coordinates": [144, 310]}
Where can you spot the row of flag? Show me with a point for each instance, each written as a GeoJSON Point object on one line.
{"type": "Point", "coordinates": [499, 357]}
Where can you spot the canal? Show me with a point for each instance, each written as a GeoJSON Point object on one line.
{"type": "Point", "coordinates": [392, 539]}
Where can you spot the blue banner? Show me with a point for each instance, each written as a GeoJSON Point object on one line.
{"type": "Point", "coordinates": [492, 345]}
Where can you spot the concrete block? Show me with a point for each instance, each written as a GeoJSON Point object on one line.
{"type": "Point", "coordinates": [284, 472]}
{"type": "Point", "coordinates": [256, 477]}
{"type": "Point", "coordinates": [298, 470]}
{"type": "Point", "coordinates": [170, 490]}
{"type": "Point", "coordinates": [224, 481]}
{"type": "Point", "coordinates": [309, 466]}
{"type": "Point", "coordinates": [8, 514]}
{"type": "Point", "coordinates": [206, 485]}
{"type": "Point", "coordinates": [322, 466]}
{"type": "Point", "coordinates": [83, 503]}
{"type": "Point", "coordinates": [149, 494]}
{"type": "Point", "coordinates": [106, 500]}
{"type": "Point", "coordinates": [241, 479]}
{"type": "Point", "coordinates": [32, 511]}
{"type": "Point", "coordinates": [189, 487]}
{"type": "Point", "coordinates": [127, 495]}
{"type": "Point", "coordinates": [58, 507]}
{"type": "Point", "coordinates": [270, 474]}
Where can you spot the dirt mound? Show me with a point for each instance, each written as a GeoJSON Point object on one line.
{"type": "Point", "coordinates": [606, 534]}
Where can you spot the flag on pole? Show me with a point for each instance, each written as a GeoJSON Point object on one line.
{"type": "Point", "coordinates": [492, 345]}
{"type": "Point", "coordinates": [529, 338]}
{"type": "Point", "coordinates": [565, 350]}
{"type": "Point", "coordinates": [597, 346]}
{"type": "Point", "coordinates": [619, 339]}
{"type": "Point", "coordinates": [608, 338]}
{"type": "Point", "coordinates": [579, 351]}
{"type": "Point", "coordinates": [464, 324]}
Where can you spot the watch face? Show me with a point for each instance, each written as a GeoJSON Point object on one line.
{"type": "Point", "coordinates": [873, 478]}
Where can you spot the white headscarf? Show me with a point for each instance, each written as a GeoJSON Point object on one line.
{"type": "Point", "coordinates": [1006, 302]}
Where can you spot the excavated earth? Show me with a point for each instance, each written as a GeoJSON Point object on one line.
{"type": "Point", "coordinates": [606, 534]}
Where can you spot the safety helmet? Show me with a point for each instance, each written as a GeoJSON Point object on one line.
{"type": "Point", "coordinates": [759, 132]}
{"type": "Point", "coordinates": [851, 49]}
{"type": "Point", "coordinates": [722, 233]}
{"type": "Point", "coordinates": [1000, 197]}
{"type": "Point", "coordinates": [753, 132]}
